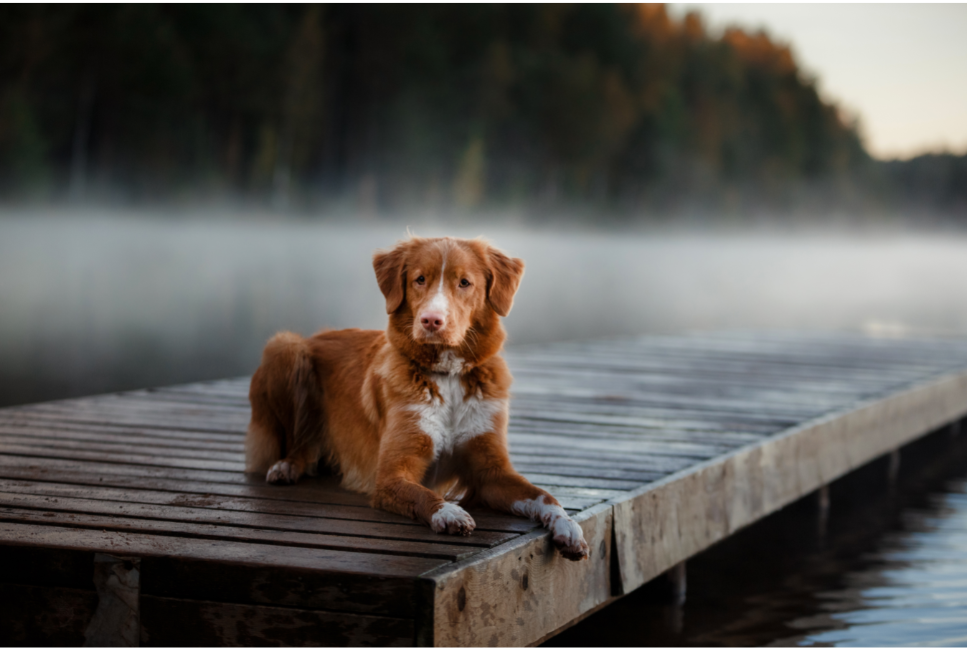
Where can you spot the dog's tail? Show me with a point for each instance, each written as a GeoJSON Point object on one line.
{"type": "Point", "coordinates": [307, 419]}
{"type": "Point", "coordinates": [286, 413]}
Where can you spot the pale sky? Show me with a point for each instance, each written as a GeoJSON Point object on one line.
{"type": "Point", "coordinates": [902, 68]}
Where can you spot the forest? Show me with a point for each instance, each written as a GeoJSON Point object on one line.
{"type": "Point", "coordinates": [388, 107]}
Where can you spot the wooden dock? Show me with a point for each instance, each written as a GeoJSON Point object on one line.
{"type": "Point", "coordinates": [127, 519]}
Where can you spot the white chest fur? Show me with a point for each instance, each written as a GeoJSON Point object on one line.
{"type": "Point", "coordinates": [454, 418]}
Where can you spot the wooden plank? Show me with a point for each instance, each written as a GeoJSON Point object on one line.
{"type": "Point", "coordinates": [348, 528]}
{"type": "Point", "coordinates": [698, 383]}
{"type": "Point", "coordinates": [772, 401]}
{"type": "Point", "coordinates": [212, 501]}
{"type": "Point", "coordinates": [51, 465]}
{"type": "Point", "coordinates": [646, 418]}
{"type": "Point", "coordinates": [617, 391]}
{"type": "Point", "coordinates": [233, 388]}
{"type": "Point", "coordinates": [137, 403]}
{"type": "Point", "coordinates": [175, 435]}
{"type": "Point", "coordinates": [510, 596]}
{"type": "Point", "coordinates": [613, 392]}
{"type": "Point", "coordinates": [768, 394]}
{"type": "Point", "coordinates": [794, 351]}
{"type": "Point", "coordinates": [620, 363]}
{"type": "Point", "coordinates": [588, 470]}
{"type": "Point", "coordinates": [188, 394]}
{"type": "Point", "coordinates": [663, 448]}
{"type": "Point", "coordinates": [615, 462]}
{"type": "Point", "coordinates": [43, 443]}
{"type": "Point", "coordinates": [113, 440]}
{"type": "Point", "coordinates": [572, 480]}
{"type": "Point", "coordinates": [155, 421]}
{"type": "Point", "coordinates": [563, 463]}
{"type": "Point", "coordinates": [311, 491]}
{"type": "Point", "coordinates": [588, 492]}
{"type": "Point", "coordinates": [307, 490]}
{"type": "Point", "coordinates": [245, 573]}
{"type": "Point", "coordinates": [127, 459]}
{"type": "Point", "coordinates": [443, 551]}
{"type": "Point", "coordinates": [780, 362]}
{"type": "Point", "coordinates": [620, 431]}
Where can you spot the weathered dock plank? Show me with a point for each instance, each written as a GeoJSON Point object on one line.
{"type": "Point", "coordinates": [660, 446]}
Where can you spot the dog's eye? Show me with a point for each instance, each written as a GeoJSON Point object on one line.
{"type": "Point", "coordinates": [421, 280]}
{"type": "Point", "coordinates": [465, 283]}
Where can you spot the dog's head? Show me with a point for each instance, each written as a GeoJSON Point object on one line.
{"type": "Point", "coordinates": [446, 291]}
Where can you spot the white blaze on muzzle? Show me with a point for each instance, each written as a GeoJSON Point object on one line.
{"type": "Point", "coordinates": [440, 304]}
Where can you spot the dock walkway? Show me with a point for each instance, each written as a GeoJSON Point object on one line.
{"type": "Point", "coordinates": [659, 446]}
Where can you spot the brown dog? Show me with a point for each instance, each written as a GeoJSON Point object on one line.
{"type": "Point", "coordinates": [414, 413]}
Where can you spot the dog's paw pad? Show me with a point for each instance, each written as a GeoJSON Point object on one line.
{"type": "Point", "coordinates": [569, 539]}
{"type": "Point", "coordinates": [283, 472]}
{"type": "Point", "coordinates": [452, 519]}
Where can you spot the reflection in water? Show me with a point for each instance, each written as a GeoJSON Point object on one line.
{"type": "Point", "coordinates": [916, 592]}
{"type": "Point", "coordinates": [891, 569]}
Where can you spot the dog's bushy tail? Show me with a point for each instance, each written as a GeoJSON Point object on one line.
{"type": "Point", "coordinates": [286, 413]}
{"type": "Point", "coordinates": [307, 420]}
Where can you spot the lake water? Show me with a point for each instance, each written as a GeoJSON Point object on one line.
{"type": "Point", "coordinates": [92, 303]}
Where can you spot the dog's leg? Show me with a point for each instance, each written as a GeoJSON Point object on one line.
{"type": "Point", "coordinates": [496, 484]}
{"type": "Point", "coordinates": [404, 458]}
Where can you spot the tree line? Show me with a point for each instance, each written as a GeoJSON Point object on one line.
{"type": "Point", "coordinates": [395, 106]}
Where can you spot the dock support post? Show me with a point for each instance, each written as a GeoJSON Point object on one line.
{"type": "Point", "coordinates": [674, 591]}
{"type": "Point", "coordinates": [117, 619]}
{"type": "Point", "coordinates": [822, 506]}
{"type": "Point", "coordinates": [893, 471]}
{"type": "Point", "coordinates": [678, 583]}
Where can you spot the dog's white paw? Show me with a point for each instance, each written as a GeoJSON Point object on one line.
{"type": "Point", "coordinates": [283, 472]}
{"type": "Point", "coordinates": [567, 535]}
{"type": "Point", "coordinates": [569, 539]}
{"type": "Point", "coordinates": [452, 519]}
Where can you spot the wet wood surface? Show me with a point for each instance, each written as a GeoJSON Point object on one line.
{"type": "Point", "coordinates": [659, 447]}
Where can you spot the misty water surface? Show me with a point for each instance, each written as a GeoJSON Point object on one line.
{"type": "Point", "coordinates": [90, 303]}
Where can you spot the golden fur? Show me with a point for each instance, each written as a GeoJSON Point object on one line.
{"type": "Point", "coordinates": [415, 413]}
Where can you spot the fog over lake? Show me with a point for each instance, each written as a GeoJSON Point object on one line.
{"type": "Point", "coordinates": [91, 303]}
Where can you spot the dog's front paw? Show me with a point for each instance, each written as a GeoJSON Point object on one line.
{"type": "Point", "coordinates": [569, 539]}
{"type": "Point", "coordinates": [282, 473]}
{"type": "Point", "coordinates": [452, 519]}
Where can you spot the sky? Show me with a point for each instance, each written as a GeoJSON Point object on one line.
{"type": "Point", "coordinates": [900, 68]}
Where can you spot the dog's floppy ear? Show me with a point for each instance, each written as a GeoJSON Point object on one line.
{"type": "Point", "coordinates": [503, 278]}
{"type": "Point", "coordinates": [390, 267]}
